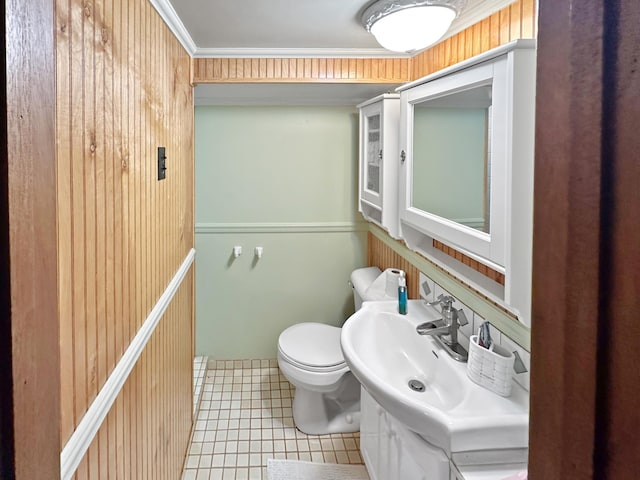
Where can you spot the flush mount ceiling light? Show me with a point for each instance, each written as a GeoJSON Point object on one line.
{"type": "Point", "coordinates": [409, 25]}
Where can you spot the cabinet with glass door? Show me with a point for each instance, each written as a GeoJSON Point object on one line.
{"type": "Point", "coordinates": [379, 122]}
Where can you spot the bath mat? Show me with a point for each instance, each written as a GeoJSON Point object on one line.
{"type": "Point", "coordinates": [299, 470]}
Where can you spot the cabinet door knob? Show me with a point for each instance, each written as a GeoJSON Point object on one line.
{"type": "Point", "coordinates": [403, 156]}
{"type": "Point", "coordinates": [380, 154]}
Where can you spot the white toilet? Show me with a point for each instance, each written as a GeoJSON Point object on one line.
{"type": "Point", "coordinates": [327, 398]}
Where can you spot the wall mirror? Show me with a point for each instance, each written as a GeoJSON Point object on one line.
{"type": "Point", "coordinates": [455, 168]}
{"type": "Point", "coordinates": [466, 174]}
{"type": "Point", "coordinates": [452, 158]}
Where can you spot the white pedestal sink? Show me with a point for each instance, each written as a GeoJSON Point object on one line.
{"type": "Point", "coordinates": [385, 353]}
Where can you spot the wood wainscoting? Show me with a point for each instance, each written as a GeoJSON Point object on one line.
{"type": "Point", "coordinates": [123, 90]}
{"type": "Point", "coordinates": [147, 429]}
{"type": "Point", "coordinates": [381, 256]}
{"type": "Point", "coordinates": [470, 262]}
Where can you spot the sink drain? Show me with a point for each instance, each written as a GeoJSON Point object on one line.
{"type": "Point", "coordinates": [416, 385]}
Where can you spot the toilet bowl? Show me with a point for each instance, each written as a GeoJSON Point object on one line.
{"type": "Point", "coordinates": [327, 396]}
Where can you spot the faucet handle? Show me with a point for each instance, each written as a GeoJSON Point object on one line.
{"type": "Point", "coordinates": [444, 300]}
{"type": "Point", "coordinates": [462, 318]}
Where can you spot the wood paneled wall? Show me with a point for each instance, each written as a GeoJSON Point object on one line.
{"type": "Point", "coordinates": [123, 89]}
{"type": "Point", "coordinates": [147, 431]}
{"type": "Point", "coordinates": [381, 256]}
{"type": "Point", "coordinates": [469, 262]}
{"type": "Point", "coordinates": [301, 70]}
{"type": "Point", "coordinates": [518, 20]}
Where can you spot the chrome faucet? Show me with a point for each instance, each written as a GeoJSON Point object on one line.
{"type": "Point", "coordinates": [445, 331]}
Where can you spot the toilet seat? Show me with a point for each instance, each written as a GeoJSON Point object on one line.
{"type": "Point", "coordinates": [312, 346]}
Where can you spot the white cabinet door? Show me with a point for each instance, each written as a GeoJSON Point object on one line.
{"type": "Point", "coordinates": [393, 452]}
{"type": "Point", "coordinates": [379, 161]}
{"type": "Point", "coordinates": [371, 118]}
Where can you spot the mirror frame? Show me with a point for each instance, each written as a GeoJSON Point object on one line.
{"type": "Point", "coordinates": [490, 248]}
{"type": "Point", "coordinates": [508, 247]}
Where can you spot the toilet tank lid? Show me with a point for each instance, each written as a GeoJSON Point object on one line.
{"type": "Point", "coordinates": [312, 344]}
{"type": "Point", "coordinates": [362, 278]}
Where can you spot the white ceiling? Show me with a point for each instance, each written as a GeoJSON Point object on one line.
{"type": "Point", "coordinates": [274, 24]}
{"type": "Point", "coordinates": [221, 27]}
{"type": "Point", "coordinates": [287, 28]}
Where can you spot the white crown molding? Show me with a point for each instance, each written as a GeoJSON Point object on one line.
{"type": "Point", "coordinates": [173, 21]}
{"type": "Point", "coordinates": [296, 53]}
{"type": "Point", "coordinates": [171, 18]}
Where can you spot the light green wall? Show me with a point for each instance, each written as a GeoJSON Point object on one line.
{"type": "Point", "coordinates": [276, 164]}
{"type": "Point", "coordinates": [242, 305]}
{"type": "Point", "coordinates": [284, 178]}
{"type": "Point", "coordinates": [449, 148]}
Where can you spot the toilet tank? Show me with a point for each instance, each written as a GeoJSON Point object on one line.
{"type": "Point", "coordinates": [361, 280]}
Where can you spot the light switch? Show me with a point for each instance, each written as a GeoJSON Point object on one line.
{"type": "Point", "coordinates": [162, 163]}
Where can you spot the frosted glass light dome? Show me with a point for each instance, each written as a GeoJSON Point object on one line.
{"type": "Point", "coordinates": [410, 25]}
{"type": "Point", "coordinates": [413, 28]}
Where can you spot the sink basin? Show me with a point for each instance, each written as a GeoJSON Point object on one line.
{"type": "Point", "coordinates": [386, 354]}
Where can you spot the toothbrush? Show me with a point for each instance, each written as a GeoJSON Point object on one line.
{"type": "Point", "coordinates": [480, 336]}
{"type": "Point", "coordinates": [488, 341]}
{"type": "Point", "coordinates": [484, 335]}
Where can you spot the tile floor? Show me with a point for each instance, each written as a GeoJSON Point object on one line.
{"type": "Point", "coordinates": [245, 418]}
{"type": "Point", "coordinates": [199, 370]}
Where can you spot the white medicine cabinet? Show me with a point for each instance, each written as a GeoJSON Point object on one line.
{"type": "Point", "coordinates": [462, 173]}
{"type": "Point", "coordinates": [466, 179]}
{"type": "Point", "coordinates": [379, 120]}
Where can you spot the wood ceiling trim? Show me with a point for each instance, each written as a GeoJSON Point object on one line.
{"type": "Point", "coordinates": [301, 70]}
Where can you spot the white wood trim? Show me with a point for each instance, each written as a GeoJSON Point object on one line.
{"type": "Point", "coordinates": [173, 21]}
{"type": "Point", "coordinates": [320, 227]}
{"type": "Point", "coordinates": [296, 53]}
{"type": "Point", "coordinates": [384, 96]}
{"type": "Point", "coordinates": [77, 446]}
